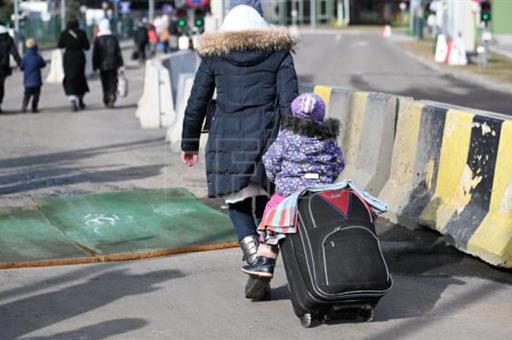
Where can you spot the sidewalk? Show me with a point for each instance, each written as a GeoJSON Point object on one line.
{"type": "Point", "coordinates": [47, 53]}
{"type": "Point", "coordinates": [497, 76]}
{"type": "Point", "coordinates": [503, 45]}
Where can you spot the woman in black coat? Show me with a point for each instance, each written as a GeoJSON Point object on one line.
{"type": "Point", "coordinates": [252, 68]}
{"type": "Point", "coordinates": [7, 49]}
{"type": "Point", "coordinates": [107, 58]}
{"type": "Point", "coordinates": [75, 42]}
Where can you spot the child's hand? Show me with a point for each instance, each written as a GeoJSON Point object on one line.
{"type": "Point", "coordinates": [189, 158]}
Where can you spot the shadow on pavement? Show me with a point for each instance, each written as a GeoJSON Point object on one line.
{"type": "Point", "coordinates": [98, 331]}
{"type": "Point", "coordinates": [56, 157]}
{"type": "Point", "coordinates": [423, 267]}
{"type": "Point", "coordinates": [46, 309]}
{"type": "Point", "coordinates": [78, 274]}
{"type": "Point", "coordinates": [67, 176]}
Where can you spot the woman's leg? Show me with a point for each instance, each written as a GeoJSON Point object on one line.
{"type": "Point", "coordinates": [243, 219]}
{"type": "Point", "coordinates": [245, 216]}
{"type": "Point", "coordinates": [104, 86]}
{"type": "Point", "coordinates": [2, 87]}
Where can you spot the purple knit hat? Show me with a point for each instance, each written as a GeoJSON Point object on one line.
{"type": "Point", "coordinates": [309, 106]}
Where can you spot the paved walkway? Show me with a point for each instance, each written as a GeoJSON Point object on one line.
{"type": "Point", "coordinates": [57, 152]}
{"type": "Point", "coordinates": [503, 45]}
{"type": "Point", "coordinates": [438, 293]}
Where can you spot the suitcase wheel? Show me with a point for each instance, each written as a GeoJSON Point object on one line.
{"type": "Point", "coordinates": [366, 313]}
{"type": "Point", "coordinates": [309, 320]}
{"type": "Point", "coordinates": [306, 320]}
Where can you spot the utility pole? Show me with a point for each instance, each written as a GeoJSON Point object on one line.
{"type": "Point", "coordinates": [346, 10]}
{"type": "Point", "coordinates": [151, 10]}
{"type": "Point", "coordinates": [62, 14]}
{"type": "Point", "coordinates": [313, 13]}
{"type": "Point", "coordinates": [16, 16]}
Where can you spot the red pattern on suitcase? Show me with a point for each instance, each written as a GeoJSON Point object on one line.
{"type": "Point", "coordinates": [339, 198]}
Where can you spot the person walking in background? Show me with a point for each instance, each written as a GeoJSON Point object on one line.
{"type": "Point", "coordinates": [251, 66]}
{"type": "Point", "coordinates": [31, 66]}
{"type": "Point", "coordinates": [107, 58]}
{"type": "Point", "coordinates": [7, 48]}
{"type": "Point", "coordinates": [164, 39]}
{"type": "Point", "coordinates": [75, 42]}
{"type": "Point", "coordinates": [153, 39]}
{"type": "Point", "coordinates": [141, 40]}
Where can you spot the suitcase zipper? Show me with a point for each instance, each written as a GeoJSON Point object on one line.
{"type": "Point", "coordinates": [337, 229]}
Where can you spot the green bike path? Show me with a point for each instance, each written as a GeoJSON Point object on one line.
{"type": "Point", "coordinates": [110, 226]}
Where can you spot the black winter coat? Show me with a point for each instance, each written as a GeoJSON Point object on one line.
{"type": "Point", "coordinates": [7, 48]}
{"type": "Point", "coordinates": [255, 78]}
{"type": "Point", "coordinates": [75, 42]}
{"type": "Point", "coordinates": [140, 36]}
{"type": "Point", "coordinates": [106, 53]}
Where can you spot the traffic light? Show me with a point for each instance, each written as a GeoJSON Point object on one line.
{"type": "Point", "coordinates": [485, 11]}
{"type": "Point", "coordinates": [182, 18]}
{"type": "Point", "coordinates": [199, 18]}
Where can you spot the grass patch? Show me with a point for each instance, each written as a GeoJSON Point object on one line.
{"type": "Point", "coordinates": [499, 67]}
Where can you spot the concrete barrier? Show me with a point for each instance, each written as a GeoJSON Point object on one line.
{"type": "Point", "coordinates": [157, 105]}
{"type": "Point", "coordinates": [436, 165]}
{"type": "Point", "coordinates": [148, 108]}
{"type": "Point", "coordinates": [174, 132]}
{"type": "Point", "coordinates": [492, 240]}
{"type": "Point", "coordinates": [450, 171]}
{"type": "Point", "coordinates": [178, 63]}
{"type": "Point", "coordinates": [368, 124]}
{"type": "Point", "coordinates": [370, 141]}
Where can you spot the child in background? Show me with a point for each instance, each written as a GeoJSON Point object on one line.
{"type": "Point", "coordinates": [305, 153]}
{"type": "Point", "coordinates": [153, 39]}
{"type": "Point", "coordinates": [31, 65]}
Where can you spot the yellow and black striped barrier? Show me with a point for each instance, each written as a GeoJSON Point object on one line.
{"type": "Point", "coordinates": [446, 168]}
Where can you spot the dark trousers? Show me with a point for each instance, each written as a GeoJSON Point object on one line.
{"type": "Point", "coordinates": [2, 87]}
{"type": "Point", "coordinates": [31, 93]}
{"type": "Point", "coordinates": [109, 85]}
{"type": "Point", "coordinates": [141, 48]}
{"type": "Point", "coordinates": [246, 215]}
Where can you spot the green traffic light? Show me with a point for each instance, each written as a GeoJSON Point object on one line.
{"type": "Point", "coordinates": [485, 17]}
{"type": "Point", "coordinates": [182, 23]}
{"type": "Point", "coordinates": [199, 22]}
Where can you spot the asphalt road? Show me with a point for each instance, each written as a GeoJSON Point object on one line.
{"type": "Point", "coordinates": [368, 62]}
{"type": "Point", "coordinates": [438, 291]}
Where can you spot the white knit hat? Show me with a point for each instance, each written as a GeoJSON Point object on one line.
{"type": "Point", "coordinates": [243, 18]}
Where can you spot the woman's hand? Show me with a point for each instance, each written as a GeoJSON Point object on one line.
{"type": "Point", "coordinates": [189, 158]}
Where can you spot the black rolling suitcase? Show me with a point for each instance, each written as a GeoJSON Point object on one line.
{"type": "Point", "coordinates": [334, 263]}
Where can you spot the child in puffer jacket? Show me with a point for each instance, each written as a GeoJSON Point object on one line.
{"type": "Point", "coordinates": [305, 153]}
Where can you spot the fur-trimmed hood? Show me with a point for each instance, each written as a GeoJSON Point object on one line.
{"type": "Point", "coordinates": [223, 43]}
{"type": "Point", "coordinates": [330, 128]}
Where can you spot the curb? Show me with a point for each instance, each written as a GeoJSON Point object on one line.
{"type": "Point", "coordinates": [120, 256]}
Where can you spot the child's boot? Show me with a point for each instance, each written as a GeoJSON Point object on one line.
{"type": "Point", "coordinates": [256, 289]}
{"type": "Point", "coordinates": [263, 267]}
